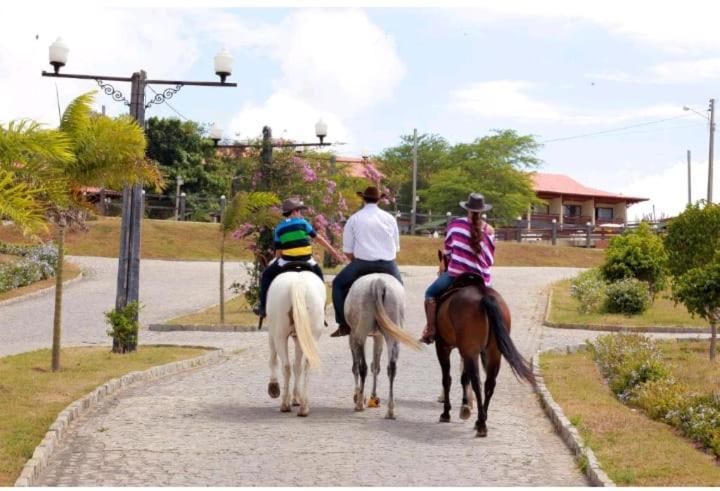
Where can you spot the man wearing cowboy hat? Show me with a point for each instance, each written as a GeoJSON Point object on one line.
{"type": "Point", "coordinates": [469, 248]}
{"type": "Point", "coordinates": [371, 240]}
{"type": "Point", "coordinates": [292, 243]}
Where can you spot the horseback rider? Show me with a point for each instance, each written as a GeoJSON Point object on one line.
{"type": "Point", "coordinates": [469, 248]}
{"type": "Point", "coordinates": [292, 244]}
{"type": "Point", "coordinates": [371, 241]}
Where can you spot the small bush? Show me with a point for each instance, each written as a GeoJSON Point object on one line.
{"type": "Point", "coordinates": [628, 296]}
{"type": "Point", "coordinates": [124, 327]}
{"type": "Point", "coordinates": [37, 263]}
{"type": "Point", "coordinates": [589, 289]}
{"type": "Point", "coordinates": [627, 361]}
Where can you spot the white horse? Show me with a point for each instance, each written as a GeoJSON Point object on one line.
{"type": "Point", "coordinates": [295, 306]}
{"type": "Point", "coordinates": [375, 306]}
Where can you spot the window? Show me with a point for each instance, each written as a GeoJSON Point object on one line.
{"type": "Point", "coordinates": [604, 213]}
{"type": "Point", "coordinates": [572, 210]}
{"type": "Point", "coordinates": [541, 209]}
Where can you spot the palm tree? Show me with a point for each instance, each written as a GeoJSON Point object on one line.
{"type": "Point", "coordinates": [253, 208]}
{"type": "Point", "coordinates": [31, 162]}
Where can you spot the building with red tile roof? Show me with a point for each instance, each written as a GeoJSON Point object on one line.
{"type": "Point", "coordinates": [570, 202]}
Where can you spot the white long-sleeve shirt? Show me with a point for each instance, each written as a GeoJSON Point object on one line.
{"type": "Point", "coordinates": [371, 234]}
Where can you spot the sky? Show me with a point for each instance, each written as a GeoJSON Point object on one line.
{"type": "Point", "coordinates": [601, 85]}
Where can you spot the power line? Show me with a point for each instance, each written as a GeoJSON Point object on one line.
{"type": "Point", "coordinates": [614, 130]}
{"type": "Point", "coordinates": [170, 105]}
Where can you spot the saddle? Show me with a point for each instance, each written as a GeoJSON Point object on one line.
{"type": "Point", "coordinates": [296, 266]}
{"type": "Point", "coordinates": [462, 281]}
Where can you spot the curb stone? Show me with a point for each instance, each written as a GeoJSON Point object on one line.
{"type": "Point", "coordinates": [59, 429]}
{"type": "Point", "coordinates": [564, 427]}
{"type": "Point", "coordinates": [204, 328]}
{"type": "Point", "coordinates": [42, 291]}
{"type": "Point", "coordinates": [599, 327]}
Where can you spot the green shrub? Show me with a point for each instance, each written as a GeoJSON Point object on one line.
{"type": "Point", "coordinates": [124, 327]}
{"type": "Point", "coordinates": [639, 254]}
{"type": "Point", "coordinates": [627, 361]}
{"type": "Point", "coordinates": [37, 263]}
{"type": "Point", "coordinates": [628, 296]}
{"type": "Point", "coordinates": [589, 289]}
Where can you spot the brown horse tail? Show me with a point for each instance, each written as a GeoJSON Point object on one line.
{"type": "Point", "coordinates": [386, 323]}
{"type": "Point", "coordinates": [518, 364]}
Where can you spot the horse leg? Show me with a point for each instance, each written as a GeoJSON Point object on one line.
{"type": "Point", "coordinates": [358, 349]}
{"type": "Point", "coordinates": [491, 363]}
{"type": "Point", "coordinates": [375, 369]}
{"type": "Point", "coordinates": [443, 354]}
{"type": "Point", "coordinates": [465, 409]}
{"type": "Point", "coordinates": [474, 372]}
{"type": "Point", "coordinates": [282, 350]}
{"type": "Point", "coordinates": [393, 351]}
{"type": "Point", "coordinates": [304, 398]}
{"type": "Point", "coordinates": [273, 386]}
{"type": "Point", "coordinates": [297, 372]}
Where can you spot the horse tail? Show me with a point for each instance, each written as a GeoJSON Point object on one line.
{"type": "Point", "coordinates": [386, 323]}
{"type": "Point", "coordinates": [518, 364]}
{"type": "Point", "coordinates": [301, 319]}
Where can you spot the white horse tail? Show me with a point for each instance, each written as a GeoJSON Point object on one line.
{"type": "Point", "coordinates": [301, 319]}
{"type": "Point", "coordinates": [386, 323]}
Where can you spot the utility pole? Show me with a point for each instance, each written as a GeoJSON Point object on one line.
{"type": "Point", "coordinates": [711, 150]}
{"type": "Point", "coordinates": [413, 209]}
{"type": "Point", "coordinates": [265, 157]}
{"type": "Point", "coordinates": [689, 179]}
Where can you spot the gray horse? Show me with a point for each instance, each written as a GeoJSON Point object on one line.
{"type": "Point", "coordinates": [375, 306]}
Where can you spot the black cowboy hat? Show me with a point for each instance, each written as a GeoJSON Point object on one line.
{"type": "Point", "coordinates": [371, 192]}
{"type": "Point", "coordinates": [475, 202]}
{"type": "Point", "coordinates": [292, 204]}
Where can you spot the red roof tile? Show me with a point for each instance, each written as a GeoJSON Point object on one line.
{"type": "Point", "coordinates": [562, 184]}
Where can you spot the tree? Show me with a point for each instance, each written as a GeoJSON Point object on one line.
{"type": "Point", "coordinates": [181, 149]}
{"type": "Point", "coordinates": [31, 159]}
{"type": "Point", "coordinates": [638, 253]}
{"type": "Point", "coordinates": [693, 246]}
{"type": "Point", "coordinates": [497, 165]}
{"type": "Point", "coordinates": [255, 208]}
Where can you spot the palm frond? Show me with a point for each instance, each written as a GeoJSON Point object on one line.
{"type": "Point", "coordinates": [252, 208]}
{"type": "Point", "coordinates": [19, 203]}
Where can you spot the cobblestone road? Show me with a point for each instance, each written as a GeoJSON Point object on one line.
{"type": "Point", "coordinates": [217, 426]}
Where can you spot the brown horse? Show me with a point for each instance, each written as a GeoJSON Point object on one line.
{"type": "Point", "coordinates": [476, 320]}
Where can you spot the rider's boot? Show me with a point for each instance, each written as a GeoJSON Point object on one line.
{"type": "Point", "coordinates": [342, 330]}
{"type": "Point", "coordinates": [428, 335]}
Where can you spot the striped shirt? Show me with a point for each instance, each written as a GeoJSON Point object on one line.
{"type": "Point", "coordinates": [463, 259]}
{"type": "Point", "coordinates": [292, 237]}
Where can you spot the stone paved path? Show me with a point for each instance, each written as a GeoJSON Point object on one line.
{"type": "Point", "coordinates": [167, 289]}
{"type": "Point", "coordinates": [217, 426]}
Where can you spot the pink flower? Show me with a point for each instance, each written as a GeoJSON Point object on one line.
{"type": "Point", "coordinates": [244, 230]}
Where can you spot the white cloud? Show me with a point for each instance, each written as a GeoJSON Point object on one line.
{"type": "Point", "coordinates": [674, 26]}
{"type": "Point", "coordinates": [332, 63]}
{"type": "Point", "coordinates": [101, 41]}
{"type": "Point", "coordinates": [667, 189]}
{"type": "Point", "coordinates": [510, 99]}
{"type": "Point", "coordinates": [670, 72]}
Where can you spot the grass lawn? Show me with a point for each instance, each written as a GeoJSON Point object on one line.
{"type": "Point", "coordinates": [70, 271]}
{"type": "Point", "coordinates": [632, 449]}
{"type": "Point", "coordinates": [663, 312]}
{"type": "Point", "coordinates": [167, 239]}
{"type": "Point", "coordinates": [31, 396]}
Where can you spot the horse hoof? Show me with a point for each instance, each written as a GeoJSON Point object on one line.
{"type": "Point", "coordinates": [465, 412]}
{"type": "Point", "coordinates": [441, 399]}
{"type": "Point", "coordinates": [302, 414]}
{"type": "Point", "coordinates": [444, 419]}
{"type": "Point", "coordinates": [389, 416]}
{"type": "Point", "coordinates": [373, 402]}
{"type": "Point", "coordinates": [285, 409]}
{"type": "Point", "coordinates": [295, 403]}
{"type": "Point", "coordinates": [274, 390]}
{"type": "Point", "coordinates": [481, 433]}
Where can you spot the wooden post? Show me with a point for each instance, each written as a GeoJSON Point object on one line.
{"type": "Point", "coordinates": [588, 231]}
{"type": "Point", "coordinates": [183, 199]}
{"type": "Point", "coordinates": [223, 203]}
{"type": "Point", "coordinates": [57, 318]}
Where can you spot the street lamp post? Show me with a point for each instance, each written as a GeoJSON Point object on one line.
{"type": "Point", "coordinates": [128, 279]}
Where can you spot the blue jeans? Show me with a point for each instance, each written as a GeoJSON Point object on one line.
{"type": "Point", "coordinates": [344, 280]}
{"type": "Point", "coordinates": [438, 286]}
